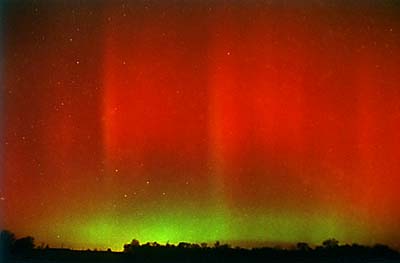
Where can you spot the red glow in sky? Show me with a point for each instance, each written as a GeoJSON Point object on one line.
{"type": "Point", "coordinates": [251, 112]}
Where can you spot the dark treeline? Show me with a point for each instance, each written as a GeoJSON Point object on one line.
{"type": "Point", "coordinates": [24, 250]}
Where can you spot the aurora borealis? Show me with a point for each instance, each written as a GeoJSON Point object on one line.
{"type": "Point", "coordinates": [246, 122]}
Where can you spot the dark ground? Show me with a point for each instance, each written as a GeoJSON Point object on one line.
{"type": "Point", "coordinates": [209, 255]}
{"type": "Point", "coordinates": [23, 250]}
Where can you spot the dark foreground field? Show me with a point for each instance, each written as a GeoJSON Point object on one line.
{"type": "Point", "coordinates": [23, 250]}
{"type": "Point", "coordinates": [172, 254]}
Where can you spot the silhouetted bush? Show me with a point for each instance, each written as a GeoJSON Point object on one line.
{"type": "Point", "coordinates": [330, 243]}
{"type": "Point", "coordinates": [129, 248]}
{"type": "Point", "coordinates": [7, 240]}
{"type": "Point", "coordinates": [302, 246]}
{"type": "Point", "coordinates": [23, 250]}
{"type": "Point", "coordinates": [23, 245]}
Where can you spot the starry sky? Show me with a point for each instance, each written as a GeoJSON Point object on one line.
{"type": "Point", "coordinates": [247, 122]}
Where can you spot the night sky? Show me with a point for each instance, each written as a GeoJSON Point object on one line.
{"type": "Point", "coordinates": [247, 122]}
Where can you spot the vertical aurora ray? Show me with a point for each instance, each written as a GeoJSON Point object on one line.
{"type": "Point", "coordinates": [147, 136]}
{"type": "Point", "coordinates": [247, 123]}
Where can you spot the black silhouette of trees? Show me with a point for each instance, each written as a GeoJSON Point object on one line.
{"type": "Point", "coordinates": [24, 245]}
{"type": "Point", "coordinates": [153, 252]}
{"type": "Point", "coordinates": [302, 246]}
{"type": "Point", "coordinates": [330, 243]}
{"type": "Point", "coordinates": [7, 240]}
{"type": "Point", "coordinates": [130, 247]}
{"type": "Point", "coordinates": [183, 245]}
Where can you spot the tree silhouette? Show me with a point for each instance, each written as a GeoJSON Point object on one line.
{"type": "Point", "coordinates": [7, 240]}
{"type": "Point", "coordinates": [183, 245]}
{"type": "Point", "coordinates": [23, 245]}
{"type": "Point", "coordinates": [153, 252]}
{"type": "Point", "coordinates": [129, 248]}
{"type": "Point", "coordinates": [302, 246]}
{"type": "Point", "coordinates": [330, 243]}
